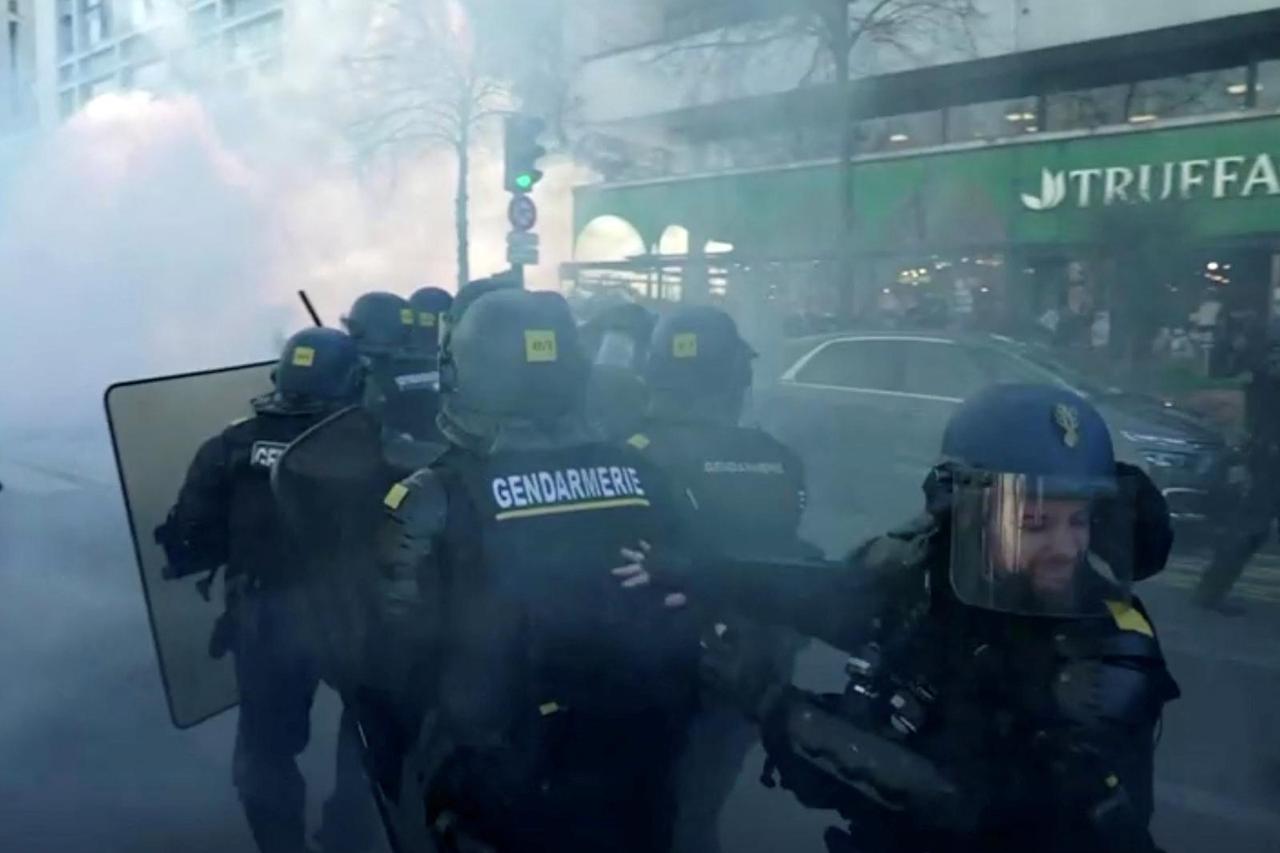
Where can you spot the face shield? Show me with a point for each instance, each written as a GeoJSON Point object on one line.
{"type": "Point", "coordinates": [1041, 546]}
{"type": "Point", "coordinates": [617, 349]}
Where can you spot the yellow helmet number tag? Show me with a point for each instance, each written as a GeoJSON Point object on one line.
{"type": "Point", "coordinates": [303, 356]}
{"type": "Point", "coordinates": [406, 316]}
{"type": "Point", "coordinates": [685, 345]}
{"type": "Point", "coordinates": [539, 345]}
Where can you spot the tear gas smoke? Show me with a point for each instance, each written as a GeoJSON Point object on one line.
{"type": "Point", "coordinates": [139, 241]}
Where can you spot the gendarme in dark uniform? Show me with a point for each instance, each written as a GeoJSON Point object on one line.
{"type": "Point", "coordinates": [558, 701]}
{"type": "Point", "coordinates": [742, 493]}
{"type": "Point", "coordinates": [1005, 687]}
{"type": "Point", "coordinates": [402, 389]}
{"type": "Point", "coordinates": [225, 515]}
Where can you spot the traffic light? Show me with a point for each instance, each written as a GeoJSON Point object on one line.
{"type": "Point", "coordinates": [523, 152]}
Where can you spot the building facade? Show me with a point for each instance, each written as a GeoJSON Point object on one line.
{"type": "Point", "coordinates": [157, 45]}
{"type": "Point", "coordinates": [17, 68]}
{"type": "Point", "coordinates": [1045, 160]}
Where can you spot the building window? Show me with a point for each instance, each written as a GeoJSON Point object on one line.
{"type": "Point", "coordinates": [67, 103]}
{"type": "Point", "coordinates": [89, 91]}
{"type": "Point", "coordinates": [993, 120]}
{"type": "Point", "coordinates": [1189, 95]}
{"type": "Point", "coordinates": [204, 19]}
{"type": "Point", "coordinates": [1086, 109]}
{"type": "Point", "coordinates": [1268, 85]}
{"type": "Point", "coordinates": [142, 13]}
{"type": "Point", "coordinates": [98, 64]}
{"type": "Point", "coordinates": [896, 133]}
{"type": "Point", "coordinates": [66, 29]}
{"type": "Point", "coordinates": [95, 16]}
{"type": "Point", "coordinates": [252, 41]}
{"type": "Point", "coordinates": [241, 8]}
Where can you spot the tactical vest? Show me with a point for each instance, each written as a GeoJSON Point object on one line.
{"type": "Point", "coordinates": [405, 394]}
{"type": "Point", "coordinates": [257, 546]}
{"type": "Point", "coordinates": [744, 487]}
{"type": "Point", "coordinates": [551, 524]}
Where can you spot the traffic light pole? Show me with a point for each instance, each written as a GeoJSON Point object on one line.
{"type": "Point", "coordinates": [522, 152]}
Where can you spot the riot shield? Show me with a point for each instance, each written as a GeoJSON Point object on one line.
{"type": "Point", "coordinates": [329, 486]}
{"type": "Point", "coordinates": [157, 425]}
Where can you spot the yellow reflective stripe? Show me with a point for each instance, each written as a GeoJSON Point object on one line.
{"type": "Point", "coordinates": [639, 441]}
{"type": "Point", "coordinates": [556, 509]}
{"type": "Point", "coordinates": [549, 708]}
{"type": "Point", "coordinates": [395, 496]}
{"type": "Point", "coordinates": [1128, 618]}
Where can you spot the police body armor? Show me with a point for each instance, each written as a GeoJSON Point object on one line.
{"type": "Point", "coordinates": [579, 505]}
{"type": "Point", "coordinates": [258, 546]}
{"type": "Point", "coordinates": [404, 392]}
{"type": "Point", "coordinates": [746, 487]}
{"type": "Point", "coordinates": [570, 694]}
{"type": "Point", "coordinates": [961, 730]}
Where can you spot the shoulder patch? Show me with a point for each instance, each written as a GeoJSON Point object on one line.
{"type": "Point", "coordinates": [395, 496]}
{"type": "Point", "coordinates": [1128, 618]}
{"type": "Point", "coordinates": [639, 441]}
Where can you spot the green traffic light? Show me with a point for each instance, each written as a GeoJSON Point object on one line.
{"type": "Point", "coordinates": [524, 181]}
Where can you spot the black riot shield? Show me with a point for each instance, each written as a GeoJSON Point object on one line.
{"type": "Point", "coordinates": [157, 425]}
{"type": "Point", "coordinates": [329, 486]}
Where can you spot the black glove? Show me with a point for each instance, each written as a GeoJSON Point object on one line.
{"type": "Point", "coordinates": [737, 665]}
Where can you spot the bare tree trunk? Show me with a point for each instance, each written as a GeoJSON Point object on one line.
{"type": "Point", "coordinates": [461, 206]}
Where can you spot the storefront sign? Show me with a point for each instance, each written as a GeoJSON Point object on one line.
{"type": "Point", "coordinates": [1219, 178]}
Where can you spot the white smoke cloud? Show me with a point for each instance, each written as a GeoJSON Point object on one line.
{"type": "Point", "coordinates": [158, 234]}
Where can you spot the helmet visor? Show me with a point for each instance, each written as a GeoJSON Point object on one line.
{"type": "Point", "coordinates": [1047, 546]}
{"type": "Point", "coordinates": [617, 349]}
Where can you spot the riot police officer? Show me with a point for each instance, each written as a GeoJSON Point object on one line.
{"type": "Point", "coordinates": [1005, 684]}
{"type": "Point", "coordinates": [616, 339]}
{"type": "Point", "coordinates": [1248, 518]}
{"type": "Point", "coordinates": [401, 391]}
{"type": "Point", "coordinates": [557, 702]}
{"type": "Point", "coordinates": [224, 516]}
{"type": "Point", "coordinates": [743, 494]}
{"type": "Point", "coordinates": [431, 307]}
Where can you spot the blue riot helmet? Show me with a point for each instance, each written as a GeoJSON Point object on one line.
{"type": "Point", "coordinates": [380, 323]}
{"type": "Point", "coordinates": [510, 357]}
{"type": "Point", "coordinates": [1042, 520]}
{"type": "Point", "coordinates": [318, 369]}
{"type": "Point", "coordinates": [430, 306]}
{"type": "Point", "coordinates": [698, 364]}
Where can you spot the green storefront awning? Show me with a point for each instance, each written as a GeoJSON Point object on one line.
{"type": "Point", "coordinates": [1221, 176]}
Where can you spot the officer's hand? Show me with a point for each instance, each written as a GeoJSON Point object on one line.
{"type": "Point", "coordinates": [635, 574]}
{"type": "Point", "coordinates": [734, 668]}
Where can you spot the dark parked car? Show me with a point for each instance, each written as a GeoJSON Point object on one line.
{"type": "Point", "coordinates": [866, 412]}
